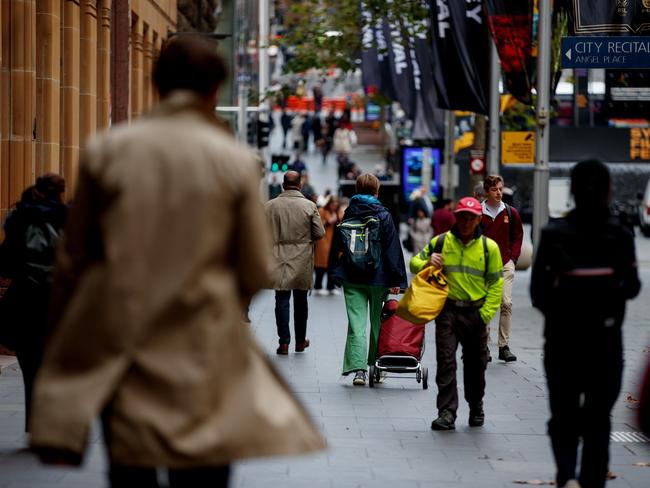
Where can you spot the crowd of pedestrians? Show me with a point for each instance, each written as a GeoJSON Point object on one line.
{"type": "Point", "coordinates": [126, 294]}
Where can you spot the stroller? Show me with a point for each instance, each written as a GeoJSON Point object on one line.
{"type": "Point", "coordinates": [400, 349]}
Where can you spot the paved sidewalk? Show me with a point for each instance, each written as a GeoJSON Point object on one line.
{"type": "Point", "coordinates": [381, 437]}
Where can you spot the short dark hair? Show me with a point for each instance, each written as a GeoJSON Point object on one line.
{"type": "Point", "coordinates": [367, 184]}
{"type": "Point", "coordinates": [50, 186]}
{"type": "Point", "coordinates": [291, 180]}
{"type": "Point", "coordinates": [590, 183]}
{"type": "Point", "coordinates": [191, 63]}
{"type": "Point", "coordinates": [492, 180]}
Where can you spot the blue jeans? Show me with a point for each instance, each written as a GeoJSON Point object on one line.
{"type": "Point", "coordinates": [300, 310]}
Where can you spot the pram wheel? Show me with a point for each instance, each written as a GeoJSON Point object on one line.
{"type": "Point", "coordinates": [371, 376]}
{"type": "Point", "coordinates": [425, 378]}
{"type": "Point", "coordinates": [418, 375]}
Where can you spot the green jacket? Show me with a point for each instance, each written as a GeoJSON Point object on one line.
{"type": "Point", "coordinates": [465, 271]}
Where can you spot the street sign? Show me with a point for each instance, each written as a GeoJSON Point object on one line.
{"type": "Point", "coordinates": [517, 147]}
{"type": "Point", "coordinates": [621, 52]}
{"type": "Point", "coordinates": [477, 165]}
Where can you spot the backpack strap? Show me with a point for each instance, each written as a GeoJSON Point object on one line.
{"type": "Point", "coordinates": [510, 226]}
{"type": "Point", "coordinates": [485, 255]}
{"type": "Point", "coordinates": [439, 243]}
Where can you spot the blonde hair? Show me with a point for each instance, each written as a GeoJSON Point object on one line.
{"type": "Point", "coordinates": [367, 184]}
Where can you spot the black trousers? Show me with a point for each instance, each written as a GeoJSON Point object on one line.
{"type": "Point", "coordinates": [300, 311]}
{"type": "Point", "coordinates": [137, 477]}
{"type": "Point", "coordinates": [453, 326]}
{"type": "Point", "coordinates": [318, 282]}
{"type": "Point", "coordinates": [584, 375]}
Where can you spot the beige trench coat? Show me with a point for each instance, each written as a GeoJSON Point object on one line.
{"type": "Point", "coordinates": [295, 225]}
{"type": "Point", "coordinates": [166, 243]}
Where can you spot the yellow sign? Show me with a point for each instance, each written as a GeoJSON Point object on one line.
{"type": "Point", "coordinates": [518, 147]}
{"type": "Point", "coordinates": [640, 144]}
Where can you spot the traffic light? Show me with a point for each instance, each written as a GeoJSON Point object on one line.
{"type": "Point", "coordinates": [279, 162]}
{"type": "Point", "coordinates": [251, 131]}
{"type": "Point", "coordinates": [263, 133]}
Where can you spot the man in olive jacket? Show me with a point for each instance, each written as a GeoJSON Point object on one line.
{"type": "Point", "coordinates": [295, 225]}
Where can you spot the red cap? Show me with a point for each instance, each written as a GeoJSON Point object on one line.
{"type": "Point", "coordinates": [469, 204]}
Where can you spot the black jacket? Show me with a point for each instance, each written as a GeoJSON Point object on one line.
{"type": "Point", "coordinates": [584, 271]}
{"type": "Point", "coordinates": [391, 271]}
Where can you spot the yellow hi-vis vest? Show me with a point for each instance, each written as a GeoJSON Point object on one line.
{"type": "Point", "coordinates": [466, 273]}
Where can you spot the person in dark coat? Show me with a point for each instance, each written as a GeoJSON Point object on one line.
{"type": "Point", "coordinates": [366, 289]}
{"type": "Point", "coordinates": [584, 272]}
{"type": "Point", "coordinates": [285, 122]}
{"type": "Point", "coordinates": [27, 257]}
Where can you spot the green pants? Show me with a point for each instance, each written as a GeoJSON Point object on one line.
{"type": "Point", "coordinates": [357, 298]}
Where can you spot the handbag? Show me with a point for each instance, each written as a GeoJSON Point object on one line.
{"type": "Point", "coordinates": [425, 297]}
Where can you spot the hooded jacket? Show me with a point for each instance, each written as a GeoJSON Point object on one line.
{"type": "Point", "coordinates": [391, 271]}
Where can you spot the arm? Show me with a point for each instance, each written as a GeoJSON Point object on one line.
{"type": "Point", "coordinates": [393, 252]}
{"type": "Point", "coordinates": [631, 283]}
{"type": "Point", "coordinates": [494, 283]}
{"type": "Point", "coordinates": [541, 276]}
{"type": "Point", "coordinates": [517, 235]}
{"type": "Point", "coordinates": [317, 229]}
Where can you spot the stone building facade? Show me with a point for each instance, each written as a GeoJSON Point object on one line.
{"type": "Point", "coordinates": [70, 68]}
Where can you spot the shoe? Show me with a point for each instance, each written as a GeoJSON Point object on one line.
{"type": "Point", "coordinates": [506, 355]}
{"type": "Point", "coordinates": [476, 416]}
{"type": "Point", "coordinates": [301, 346]}
{"type": "Point", "coordinates": [283, 349]}
{"type": "Point", "coordinates": [335, 292]}
{"type": "Point", "coordinates": [571, 484]}
{"type": "Point", "coordinates": [359, 378]}
{"type": "Point", "coordinates": [321, 292]}
{"type": "Point", "coordinates": [445, 421]}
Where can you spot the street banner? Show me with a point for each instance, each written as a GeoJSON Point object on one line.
{"type": "Point", "coordinates": [588, 17]}
{"type": "Point", "coordinates": [461, 54]}
{"type": "Point", "coordinates": [511, 25]}
{"type": "Point", "coordinates": [429, 119]}
{"type": "Point", "coordinates": [401, 67]}
{"type": "Point", "coordinates": [369, 54]}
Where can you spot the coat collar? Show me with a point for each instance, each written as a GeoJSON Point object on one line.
{"type": "Point", "coordinates": [292, 193]}
{"type": "Point", "coordinates": [180, 101]}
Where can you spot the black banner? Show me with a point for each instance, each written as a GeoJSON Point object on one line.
{"type": "Point", "coordinates": [375, 65]}
{"type": "Point", "coordinates": [401, 67]}
{"type": "Point", "coordinates": [609, 17]}
{"type": "Point", "coordinates": [511, 25]}
{"type": "Point", "coordinates": [429, 119]}
{"type": "Point", "coordinates": [461, 55]}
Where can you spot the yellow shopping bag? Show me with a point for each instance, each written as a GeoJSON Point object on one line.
{"type": "Point", "coordinates": [425, 297]}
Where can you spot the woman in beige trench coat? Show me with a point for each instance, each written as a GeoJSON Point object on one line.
{"type": "Point", "coordinates": [165, 245]}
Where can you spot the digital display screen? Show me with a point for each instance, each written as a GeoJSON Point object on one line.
{"type": "Point", "coordinates": [412, 159]}
{"type": "Point", "coordinates": [373, 111]}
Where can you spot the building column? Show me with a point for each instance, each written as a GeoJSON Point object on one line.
{"type": "Point", "coordinates": [156, 46]}
{"type": "Point", "coordinates": [136, 67]}
{"type": "Point", "coordinates": [5, 38]}
{"type": "Point", "coordinates": [48, 86]}
{"type": "Point", "coordinates": [147, 89]}
{"type": "Point", "coordinates": [22, 93]}
{"type": "Point", "coordinates": [88, 72]}
{"type": "Point", "coordinates": [104, 65]}
{"type": "Point", "coordinates": [70, 94]}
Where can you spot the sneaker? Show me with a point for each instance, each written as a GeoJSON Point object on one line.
{"type": "Point", "coordinates": [359, 378]}
{"type": "Point", "coordinates": [476, 416]}
{"type": "Point", "coordinates": [571, 484]}
{"type": "Point", "coordinates": [283, 349]}
{"type": "Point", "coordinates": [335, 292]}
{"type": "Point", "coordinates": [445, 421]}
{"type": "Point", "coordinates": [506, 355]}
{"type": "Point", "coordinates": [301, 346]}
{"type": "Point", "coordinates": [321, 292]}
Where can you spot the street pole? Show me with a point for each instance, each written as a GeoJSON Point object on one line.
{"type": "Point", "coordinates": [450, 160]}
{"type": "Point", "coordinates": [426, 172]}
{"type": "Point", "coordinates": [541, 175]}
{"type": "Point", "coordinates": [242, 95]}
{"type": "Point", "coordinates": [263, 48]}
{"type": "Point", "coordinates": [494, 161]}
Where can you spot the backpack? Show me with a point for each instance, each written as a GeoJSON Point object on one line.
{"type": "Point", "coordinates": [441, 240]}
{"type": "Point", "coordinates": [41, 239]}
{"type": "Point", "coordinates": [361, 242]}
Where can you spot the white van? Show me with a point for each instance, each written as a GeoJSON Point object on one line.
{"type": "Point", "coordinates": [644, 211]}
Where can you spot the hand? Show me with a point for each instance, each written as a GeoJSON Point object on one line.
{"type": "Point", "coordinates": [435, 260]}
{"type": "Point", "coordinates": [394, 291]}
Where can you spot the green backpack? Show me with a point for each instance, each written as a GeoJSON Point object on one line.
{"type": "Point", "coordinates": [361, 242]}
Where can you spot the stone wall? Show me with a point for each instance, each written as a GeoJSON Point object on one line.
{"type": "Point", "coordinates": [197, 15]}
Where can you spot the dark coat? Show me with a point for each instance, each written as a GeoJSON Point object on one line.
{"type": "Point", "coordinates": [584, 271]}
{"type": "Point", "coordinates": [391, 271]}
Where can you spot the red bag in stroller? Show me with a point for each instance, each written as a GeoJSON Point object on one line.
{"type": "Point", "coordinates": [399, 337]}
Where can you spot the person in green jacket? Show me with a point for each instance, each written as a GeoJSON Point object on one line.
{"type": "Point", "coordinates": [473, 268]}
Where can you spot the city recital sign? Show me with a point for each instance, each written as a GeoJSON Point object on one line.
{"type": "Point", "coordinates": [624, 52]}
{"type": "Point", "coordinates": [607, 17]}
{"type": "Point", "coordinates": [517, 147]}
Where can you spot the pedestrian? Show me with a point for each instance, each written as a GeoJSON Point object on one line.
{"type": "Point", "coordinates": [502, 223]}
{"type": "Point", "coordinates": [443, 218]}
{"type": "Point", "coordinates": [472, 265]}
{"type": "Point", "coordinates": [585, 270]}
{"type": "Point", "coordinates": [295, 225]}
{"type": "Point", "coordinates": [420, 230]}
{"type": "Point", "coordinates": [366, 282]}
{"type": "Point", "coordinates": [296, 132]}
{"type": "Point", "coordinates": [329, 216]}
{"type": "Point", "coordinates": [285, 122]}
{"type": "Point", "coordinates": [27, 256]}
{"type": "Point", "coordinates": [298, 164]}
{"type": "Point", "coordinates": [330, 128]}
{"type": "Point", "coordinates": [344, 139]}
{"type": "Point", "coordinates": [151, 282]}
{"type": "Point", "coordinates": [306, 131]}
{"type": "Point", "coordinates": [317, 130]}
{"type": "Point", "coordinates": [306, 188]}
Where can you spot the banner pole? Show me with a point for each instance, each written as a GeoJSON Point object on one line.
{"type": "Point", "coordinates": [541, 172]}
{"type": "Point", "coordinates": [494, 159]}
